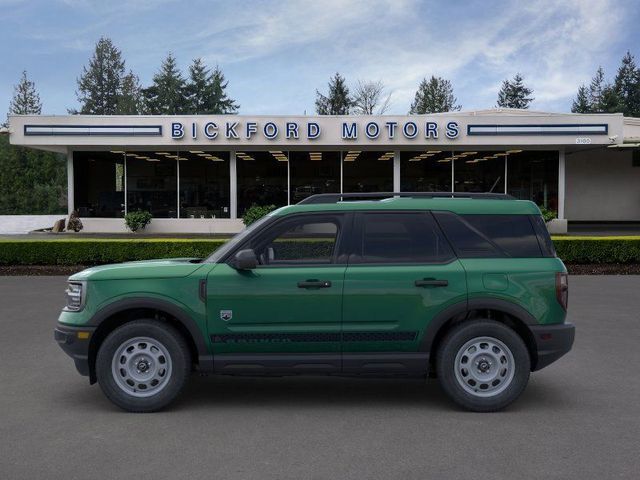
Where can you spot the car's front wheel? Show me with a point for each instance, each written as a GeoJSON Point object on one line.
{"type": "Point", "coordinates": [483, 365]}
{"type": "Point", "coordinates": [143, 365]}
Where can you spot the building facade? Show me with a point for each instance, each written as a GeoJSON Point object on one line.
{"type": "Point", "coordinates": [200, 173]}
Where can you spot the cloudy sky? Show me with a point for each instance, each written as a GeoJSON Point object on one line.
{"type": "Point", "coordinates": [276, 53]}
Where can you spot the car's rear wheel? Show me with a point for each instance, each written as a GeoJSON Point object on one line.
{"type": "Point", "coordinates": [143, 365]}
{"type": "Point", "coordinates": [483, 365]}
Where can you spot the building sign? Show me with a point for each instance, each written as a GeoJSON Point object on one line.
{"type": "Point", "coordinates": [348, 130]}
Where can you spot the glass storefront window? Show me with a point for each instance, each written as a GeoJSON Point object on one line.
{"type": "Point", "coordinates": [479, 171]}
{"type": "Point", "coordinates": [533, 175]}
{"type": "Point", "coordinates": [312, 173]}
{"type": "Point", "coordinates": [365, 171]}
{"type": "Point", "coordinates": [152, 183]}
{"type": "Point", "coordinates": [99, 184]}
{"type": "Point", "coordinates": [425, 171]}
{"type": "Point", "coordinates": [262, 179]}
{"type": "Point", "coordinates": [204, 184]}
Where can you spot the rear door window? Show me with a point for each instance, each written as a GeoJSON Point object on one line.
{"type": "Point", "coordinates": [400, 237]}
{"type": "Point", "coordinates": [490, 236]}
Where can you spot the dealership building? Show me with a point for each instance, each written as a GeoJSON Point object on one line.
{"type": "Point", "coordinates": [199, 174]}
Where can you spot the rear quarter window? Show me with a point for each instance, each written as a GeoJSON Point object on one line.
{"type": "Point", "coordinates": [491, 236]}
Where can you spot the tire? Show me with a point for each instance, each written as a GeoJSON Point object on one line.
{"type": "Point", "coordinates": [483, 365]}
{"type": "Point", "coordinates": [143, 365]}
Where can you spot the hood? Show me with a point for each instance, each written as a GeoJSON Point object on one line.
{"type": "Point", "coordinates": [165, 268]}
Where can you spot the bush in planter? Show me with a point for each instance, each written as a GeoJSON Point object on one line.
{"type": "Point", "coordinates": [137, 220]}
{"type": "Point", "coordinates": [74, 223]}
{"type": "Point", "coordinates": [547, 214]}
{"type": "Point", "coordinates": [255, 213]}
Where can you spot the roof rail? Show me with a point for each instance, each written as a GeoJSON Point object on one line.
{"type": "Point", "coordinates": [339, 197]}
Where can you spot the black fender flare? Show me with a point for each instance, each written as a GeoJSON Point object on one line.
{"type": "Point", "coordinates": [205, 359]}
{"type": "Point", "coordinates": [460, 308]}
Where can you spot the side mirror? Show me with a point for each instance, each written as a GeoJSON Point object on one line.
{"type": "Point", "coordinates": [245, 260]}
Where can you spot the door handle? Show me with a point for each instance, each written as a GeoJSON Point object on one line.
{"type": "Point", "coordinates": [431, 282]}
{"type": "Point", "coordinates": [314, 284]}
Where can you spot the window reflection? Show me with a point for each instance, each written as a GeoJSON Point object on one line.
{"type": "Point", "coordinates": [98, 184]}
{"type": "Point", "coordinates": [152, 183]}
{"type": "Point", "coordinates": [365, 171]}
{"type": "Point", "coordinates": [428, 170]}
{"type": "Point", "coordinates": [262, 179]}
{"type": "Point", "coordinates": [204, 184]}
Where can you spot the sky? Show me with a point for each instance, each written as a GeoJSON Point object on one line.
{"type": "Point", "coordinates": [275, 54]}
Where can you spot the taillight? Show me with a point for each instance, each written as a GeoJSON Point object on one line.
{"type": "Point", "coordinates": [562, 289]}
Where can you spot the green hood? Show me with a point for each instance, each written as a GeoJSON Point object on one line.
{"type": "Point", "coordinates": [165, 268]}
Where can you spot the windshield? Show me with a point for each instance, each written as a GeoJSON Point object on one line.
{"type": "Point", "coordinates": [236, 240]}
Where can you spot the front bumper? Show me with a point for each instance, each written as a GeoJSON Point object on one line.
{"type": "Point", "coordinates": [75, 343]}
{"type": "Point", "coordinates": [552, 342]}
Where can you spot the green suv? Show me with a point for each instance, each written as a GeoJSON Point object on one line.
{"type": "Point", "coordinates": [465, 287]}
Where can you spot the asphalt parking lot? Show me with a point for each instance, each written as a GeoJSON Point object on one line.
{"type": "Point", "coordinates": [579, 418]}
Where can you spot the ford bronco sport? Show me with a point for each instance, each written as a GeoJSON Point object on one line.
{"type": "Point", "coordinates": [464, 287]}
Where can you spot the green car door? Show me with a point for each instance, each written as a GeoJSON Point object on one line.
{"type": "Point", "coordinates": [401, 274]}
{"type": "Point", "coordinates": [291, 303]}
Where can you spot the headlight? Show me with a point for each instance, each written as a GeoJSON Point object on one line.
{"type": "Point", "coordinates": [75, 296]}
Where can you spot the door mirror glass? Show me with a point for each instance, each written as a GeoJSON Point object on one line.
{"type": "Point", "coordinates": [245, 260]}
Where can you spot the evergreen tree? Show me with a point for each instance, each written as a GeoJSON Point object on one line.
{"type": "Point", "coordinates": [31, 181]}
{"type": "Point", "coordinates": [130, 97]}
{"type": "Point", "coordinates": [581, 104]}
{"type": "Point", "coordinates": [514, 93]}
{"type": "Point", "coordinates": [206, 91]}
{"type": "Point", "coordinates": [100, 84]}
{"type": "Point", "coordinates": [167, 96]}
{"type": "Point", "coordinates": [433, 96]}
{"type": "Point", "coordinates": [222, 103]}
{"type": "Point", "coordinates": [627, 86]}
{"type": "Point", "coordinates": [198, 88]}
{"type": "Point", "coordinates": [337, 101]}
{"type": "Point", "coordinates": [596, 88]}
{"type": "Point", "coordinates": [26, 100]}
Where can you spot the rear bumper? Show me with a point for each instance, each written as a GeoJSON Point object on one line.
{"type": "Point", "coordinates": [75, 343]}
{"type": "Point", "coordinates": [552, 342]}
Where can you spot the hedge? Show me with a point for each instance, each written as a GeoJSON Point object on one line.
{"type": "Point", "coordinates": [598, 249]}
{"type": "Point", "coordinates": [101, 251]}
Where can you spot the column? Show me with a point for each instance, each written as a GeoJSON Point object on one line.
{"type": "Point", "coordinates": [233, 186]}
{"type": "Point", "coordinates": [561, 183]}
{"type": "Point", "coordinates": [70, 192]}
{"type": "Point", "coordinates": [396, 170]}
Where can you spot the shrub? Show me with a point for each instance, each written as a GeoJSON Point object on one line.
{"type": "Point", "coordinates": [598, 249]}
{"type": "Point", "coordinates": [137, 220]}
{"type": "Point", "coordinates": [101, 251]}
{"type": "Point", "coordinates": [547, 214]}
{"type": "Point", "coordinates": [256, 212]}
{"type": "Point", "coordinates": [75, 223]}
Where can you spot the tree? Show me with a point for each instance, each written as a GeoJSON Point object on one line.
{"type": "Point", "coordinates": [130, 97]}
{"type": "Point", "coordinates": [602, 96]}
{"type": "Point", "coordinates": [206, 91]}
{"type": "Point", "coordinates": [99, 86]}
{"type": "Point", "coordinates": [627, 86]}
{"type": "Point", "coordinates": [370, 97]}
{"type": "Point", "coordinates": [434, 95]}
{"type": "Point", "coordinates": [31, 181]}
{"type": "Point", "coordinates": [167, 95]}
{"type": "Point", "coordinates": [581, 104]}
{"type": "Point", "coordinates": [337, 101]}
{"type": "Point", "coordinates": [514, 93]}
{"type": "Point", "coordinates": [596, 88]}
{"type": "Point", "coordinates": [26, 100]}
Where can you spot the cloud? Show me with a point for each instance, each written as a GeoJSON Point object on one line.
{"type": "Point", "coordinates": [276, 53]}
